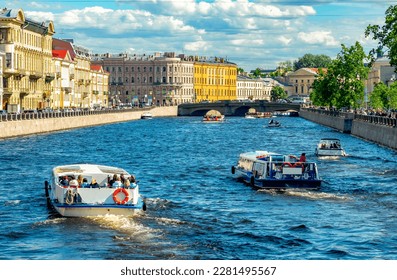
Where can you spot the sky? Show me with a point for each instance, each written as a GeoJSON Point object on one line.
{"type": "Point", "coordinates": [251, 33]}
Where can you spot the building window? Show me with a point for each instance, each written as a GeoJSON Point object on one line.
{"type": "Point", "coordinates": [132, 69]}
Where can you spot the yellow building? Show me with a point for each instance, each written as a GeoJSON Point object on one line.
{"type": "Point", "coordinates": [214, 80]}
{"type": "Point", "coordinates": [28, 64]}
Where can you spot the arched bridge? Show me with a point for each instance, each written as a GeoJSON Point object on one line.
{"type": "Point", "coordinates": [234, 108]}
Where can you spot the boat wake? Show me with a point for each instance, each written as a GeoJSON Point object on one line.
{"type": "Point", "coordinates": [315, 195]}
{"type": "Point", "coordinates": [126, 225]}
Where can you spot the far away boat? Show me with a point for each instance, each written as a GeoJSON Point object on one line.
{"type": "Point", "coordinates": [330, 147]}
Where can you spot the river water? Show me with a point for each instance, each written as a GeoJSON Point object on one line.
{"type": "Point", "coordinates": [196, 210]}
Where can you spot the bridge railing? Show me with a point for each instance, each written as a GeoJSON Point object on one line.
{"type": "Point", "coordinates": [332, 113]}
{"type": "Point", "coordinates": [381, 120]}
{"type": "Point", "coordinates": [64, 114]}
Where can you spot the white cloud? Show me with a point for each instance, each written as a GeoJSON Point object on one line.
{"type": "Point", "coordinates": [121, 21]}
{"type": "Point", "coordinates": [39, 16]}
{"type": "Point", "coordinates": [199, 46]}
{"type": "Point", "coordinates": [318, 37]}
{"type": "Point", "coordinates": [284, 40]}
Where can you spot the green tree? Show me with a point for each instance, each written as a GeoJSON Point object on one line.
{"type": "Point", "coordinates": [343, 84]}
{"type": "Point", "coordinates": [278, 93]}
{"type": "Point", "coordinates": [385, 35]}
{"type": "Point", "coordinates": [256, 73]}
{"type": "Point", "coordinates": [392, 97]}
{"type": "Point", "coordinates": [312, 61]}
{"type": "Point", "coordinates": [378, 96]}
{"type": "Point", "coordinates": [240, 70]}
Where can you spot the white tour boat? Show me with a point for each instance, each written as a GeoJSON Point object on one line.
{"type": "Point", "coordinates": [330, 147]}
{"type": "Point", "coordinates": [95, 196]}
{"type": "Point", "coordinates": [268, 170]}
{"type": "Point", "coordinates": [147, 116]}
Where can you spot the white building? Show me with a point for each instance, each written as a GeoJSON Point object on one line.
{"type": "Point", "coordinates": [254, 88]}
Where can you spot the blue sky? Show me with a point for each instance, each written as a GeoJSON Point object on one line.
{"type": "Point", "coordinates": [250, 33]}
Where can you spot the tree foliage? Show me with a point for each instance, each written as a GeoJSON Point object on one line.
{"type": "Point", "coordinates": [385, 35]}
{"type": "Point", "coordinates": [384, 97]}
{"type": "Point", "coordinates": [312, 61]}
{"type": "Point", "coordinates": [343, 83]}
{"type": "Point", "coordinates": [278, 93]}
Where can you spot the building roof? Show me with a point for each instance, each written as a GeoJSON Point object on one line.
{"type": "Point", "coordinates": [58, 44]}
{"type": "Point", "coordinates": [59, 53]}
{"type": "Point", "coordinates": [96, 67]}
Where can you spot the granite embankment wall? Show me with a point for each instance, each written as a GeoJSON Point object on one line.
{"type": "Point", "coordinates": [17, 128]}
{"type": "Point", "coordinates": [375, 129]}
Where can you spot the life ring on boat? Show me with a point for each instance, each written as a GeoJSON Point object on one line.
{"type": "Point", "coordinates": [287, 164]}
{"type": "Point", "coordinates": [298, 164]}
{"type": "Point", "coordinates": [126, 196]}
{"type": "Point", "coordinates": [233, 169]}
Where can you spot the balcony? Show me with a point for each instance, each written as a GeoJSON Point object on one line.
{"type": "Point", "coordinates": [96, 92]}
{"type": "Point", "coordinates": [80, 82]}
{"type": "Point", "coordinates": [71, 76]}
{"type": "Point", "coordinates": [34, 75]}
{"type": "Point", "coordinates": [8, 72]}
{"type": "Point", "coordinates": [49, 77]}
{"type": "Point", "coordinates": [67, 90]}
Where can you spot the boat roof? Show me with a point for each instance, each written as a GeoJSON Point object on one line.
{"type": "Point", "coordinates": [258, 154]}
{"type": "Point", "coordinates": [88, 169]}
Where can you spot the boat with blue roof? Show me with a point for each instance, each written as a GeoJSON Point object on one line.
{"type": "Point", "coordinates": [269, 170]}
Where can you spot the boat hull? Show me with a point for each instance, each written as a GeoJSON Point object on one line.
{"type": "Point", "coordinates": [330, 152]}
{"type": "Point", "coordinates": [88, 210]}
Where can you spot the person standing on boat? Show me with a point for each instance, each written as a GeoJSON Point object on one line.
{"type": "Point", "coordinates": [302, 157]}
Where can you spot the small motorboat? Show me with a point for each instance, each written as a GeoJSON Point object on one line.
{"type": "Point", "coordinates": [213, 116]}
{"type": "Point", "coordinates": [274, 123]}
{"type": "Point", "coordinates": [96, 195]}
{"type": "Point", "coordinates": [146, 116]}
{"type": "Point", "coordinates": [268, 170]}
{"type": "Point", "coordinates": [330, 147]}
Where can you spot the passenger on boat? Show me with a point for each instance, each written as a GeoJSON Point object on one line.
{"type": "Point", "coordinates": [126, 184]}
{"type": "Point", "coordinates": [85, 183]}
{"type": "Point", "coordinates": [111, 181]}
{"type": "Point", "coordinates": [64, 181]}
{"type": "Point", "coordinates": [94, 183]}
{"type": "Point", "coordinates": [133, 182]}
{"type": "Point", "coordinates": [117, 183]}
{"type": "Point", "coordinates": [74, 183]}
{"type": "Point", "coordinates": [302, 157]}
{"type": "Point", "coordinates": [80, 180]}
